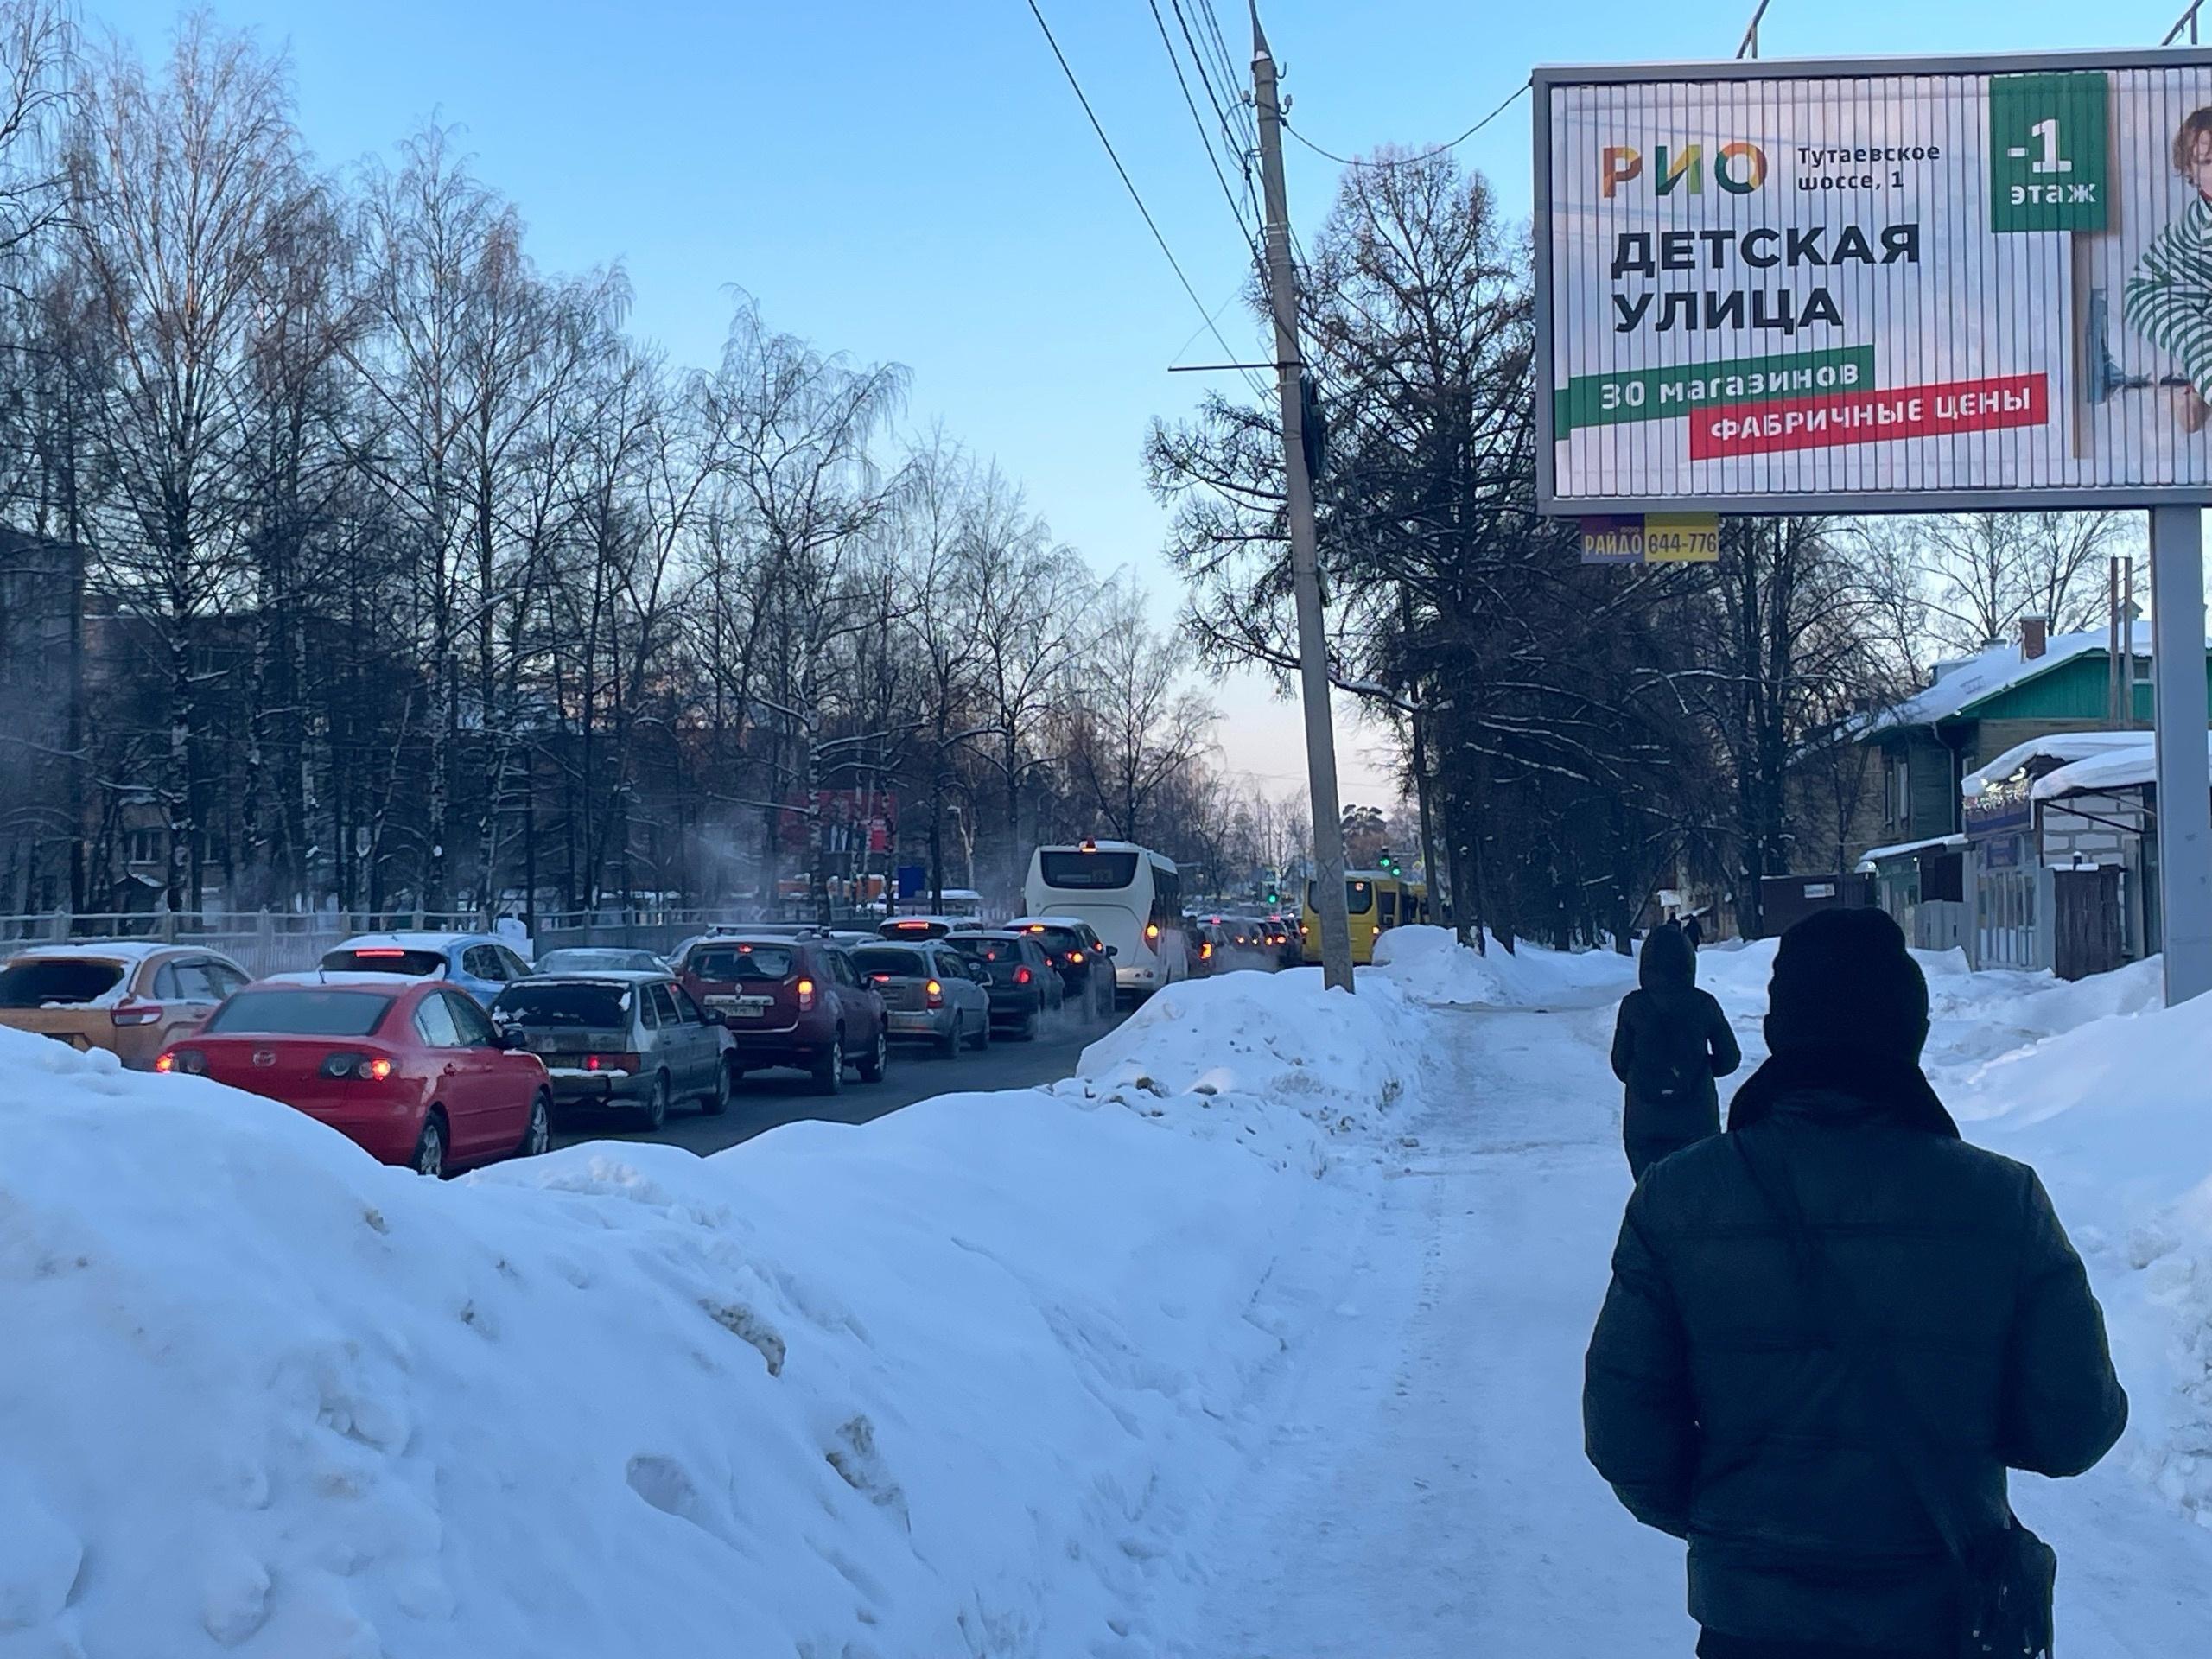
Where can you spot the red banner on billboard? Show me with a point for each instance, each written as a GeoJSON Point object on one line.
{"type": "Point", "coordinates": [1870, 416]}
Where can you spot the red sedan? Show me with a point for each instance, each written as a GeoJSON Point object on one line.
{"type": "Point", "coordinates": [411, 1070]}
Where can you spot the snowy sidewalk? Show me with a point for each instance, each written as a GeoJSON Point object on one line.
{"type": "Point", "coordinates": [1426, 1494]}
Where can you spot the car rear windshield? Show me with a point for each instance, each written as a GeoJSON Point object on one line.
{"type": "Point", "coordinates": [1087, 869]}
{"type": "Point", "coordinates": [305, 1013]}
{"type": "Point", "coordinates": [987, 950]}
{"type": "Point", "coordinates": [384, 959]}
{"type": "Point", "coordinates": [889, 959]}
{"type": "Point", "coordinates": [1359, 897]}
{"type": "Point", "coordinates": [741, 963]}
{"type": "Point", "coordinates": [594, 961]}
{"type": "Point", "coordinates": [41, 980]}
{"type": "Point", "coordinates": [1057, 939]}
{"type": "Point", "coordinates": [575, 1007]}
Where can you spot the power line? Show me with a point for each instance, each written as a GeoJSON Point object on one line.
{"type": "Point", "coordinates": [1403, 161]}
{"type": "Point", "coordinates": [1242, 140]}
{"type": "Point", "coordinates": [1205, 143]}
{"type": "Point", "coordinates": [1129, 185]}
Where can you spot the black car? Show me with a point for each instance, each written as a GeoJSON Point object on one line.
{"type": "Point", "coordinates": [1083, 960]}
{"type": "Point", "coordinates": [1023, 984]}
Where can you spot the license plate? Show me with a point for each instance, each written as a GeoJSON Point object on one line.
{"type": "Point", "coordinates": [747, 1007]}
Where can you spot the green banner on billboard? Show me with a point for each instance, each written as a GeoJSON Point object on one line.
{"type": "Point", "coordinates": [2049, 152]}
{"type": "Point", "coordinates": [1665, 394]}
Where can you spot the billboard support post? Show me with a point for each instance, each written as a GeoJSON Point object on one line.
{"type": "Point", "coordinates": [2184, 778]}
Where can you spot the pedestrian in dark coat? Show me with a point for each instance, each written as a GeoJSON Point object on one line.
{"type": "Point", "coordinates": [1722, 1407]}
{"type": "Point", "coordinates": [1694, 930]}
{"type": "Point", "coordinates": [1670, 1041]}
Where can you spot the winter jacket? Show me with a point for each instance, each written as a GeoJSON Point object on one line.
{"type": "Point", "coordinates": [1717, 1406]}
{"type": "Point", "coordinates": [1670, 1041]}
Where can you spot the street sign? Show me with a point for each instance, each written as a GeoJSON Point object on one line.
{"type": "Point", "coordinates": [1886, 285]}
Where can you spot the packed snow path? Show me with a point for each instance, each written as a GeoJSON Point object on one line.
{"type": "Point", "coordinates": [1425, 1493]}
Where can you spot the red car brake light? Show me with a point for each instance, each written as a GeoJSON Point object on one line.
{"type": "Point", "coordinates": [937, 994]}
{"type": "Point", "coordinates": [1075, 956]}
{"type": "Point", "coordinates": [184, 1062]}
{"type": "Point", "coordinates": [359, 1068]}
{"type": "Point", "coordinates": [805, 996]}
{"type": "Point", "coordinates": [1021, 976]}
{"type": "Point", "coordinates": [381, 950]}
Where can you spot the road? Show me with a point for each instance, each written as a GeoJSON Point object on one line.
{"type": "Point", "coordinates": [767, 1100]}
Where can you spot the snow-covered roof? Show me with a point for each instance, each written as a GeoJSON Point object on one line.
{"type": "Point", "coordinates": [2118, 769]}
{"type": "Point", "coordinates": [2061, 746]}
{"type": "Point", "coordinates": [1997, 669]}
{"type": "Point", "coordinates": [1875, 854]}
{"type": "Point", "coordinates": [93, 950]}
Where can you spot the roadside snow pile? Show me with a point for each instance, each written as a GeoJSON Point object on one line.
{"type": "Point", "coordinates": [960, 1381]}
{"type": "Point", "coordinates": [1430, 965]}
{"type": "Point", "coordinates": [2116, 1116]}
{"type": "Point", "coordinates": [1241, 1047]}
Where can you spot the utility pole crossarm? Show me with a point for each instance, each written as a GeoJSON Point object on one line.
{"type": "Point", "coordinates": [1313, 638]}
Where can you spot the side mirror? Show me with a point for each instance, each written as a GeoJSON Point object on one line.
{"type": "Point", "coordinates": [714, 1017]}
{"type": "Point", "coordinates": [1113, 951]}
{"type": "Point", "coordinates": [507, 1040]}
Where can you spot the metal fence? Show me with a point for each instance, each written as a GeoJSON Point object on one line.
{"type": "Point", "coordinates": [272, 941]}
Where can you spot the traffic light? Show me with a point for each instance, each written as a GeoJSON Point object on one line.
{"type": "Point", "coordinates": [1388, 863]}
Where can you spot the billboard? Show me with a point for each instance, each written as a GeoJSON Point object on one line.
{"type": "Point", "coordinates": [1875, 285]}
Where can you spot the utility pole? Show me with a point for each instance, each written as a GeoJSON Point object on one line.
{"type": "Point", "coordinates": [1312, 638]}
{"type": "Point", "coordinates": [2184, 785]}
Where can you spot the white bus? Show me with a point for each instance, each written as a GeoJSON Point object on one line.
{"type": "Point", "coordinates": [1130, 894]}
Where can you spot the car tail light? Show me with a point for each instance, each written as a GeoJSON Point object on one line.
{"type": "Point", "coordinates": [937, 994]}
{"type": "Point", "coordinates": [358, 1068]}
{"type": "Point", "coordinates": [1303, 930]}
{"type": "Point", "coordinates": [1021, 976]}
{"type": "Point", "coordinates": [136, 1014]}
{"type": "Point", "coordinates": [1205, 951]}
{"type": "Point", "coordinates": [380, 952]}
{"type": "Point", "coordinates": [805, 996]}
{"type": "Point", "coordinates": [1151, 932]}
{"type": "Point", "coordinates": [185, 1062]}
{"type": "Point", "coordinates": [1076, 957]}
{"type": "Point", "coordinates": [611, 1063]}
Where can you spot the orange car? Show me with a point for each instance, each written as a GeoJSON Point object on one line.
{"type": "Point", "coordinates": [128, 996]}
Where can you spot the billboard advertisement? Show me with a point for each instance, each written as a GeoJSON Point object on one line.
{"type": "Point", "coordinates": [1885, 285]}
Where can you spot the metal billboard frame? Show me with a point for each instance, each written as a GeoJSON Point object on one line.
{"type": "Point", "coordinates": [1545, 77]}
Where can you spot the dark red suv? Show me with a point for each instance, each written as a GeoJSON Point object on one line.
{"type": "Point", "coordinates": [789, 1002]}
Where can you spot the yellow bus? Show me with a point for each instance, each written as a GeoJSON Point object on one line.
{"type": "Point", "coordinates": [1375, 901]}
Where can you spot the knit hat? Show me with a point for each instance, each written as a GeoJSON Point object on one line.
{"type": "Point", "coordinates": [1844, 980]}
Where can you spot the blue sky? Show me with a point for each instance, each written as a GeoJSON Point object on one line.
{"type": "Point", "coordinates": [914, 182]}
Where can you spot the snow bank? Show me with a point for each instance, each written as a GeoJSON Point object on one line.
{"type": "Point", "coordinates": [1429, 965]}
{"type": "Point", "coordinates": [955, 1383]}
{"type": "Point", "coordinates": [2115, 1115]}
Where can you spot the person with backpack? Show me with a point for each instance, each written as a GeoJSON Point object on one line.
{"type": "Point", "coordinates": [1670, 1041]}
{"type": "Point", "coordinates": [1831, 1330]}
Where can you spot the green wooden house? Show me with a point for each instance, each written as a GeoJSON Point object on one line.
{"type": "Point", "coordinates": [1975, 709]}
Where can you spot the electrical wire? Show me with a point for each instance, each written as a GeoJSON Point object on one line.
{"type": "Point", "coordinates": [1205, 143]}
{"type": "Point", "coordinates": [1129, 185]}
{"type": "Point", "coordinates": [1403, 161]}
{"type": "Point", "coordinates": [1241, 136]}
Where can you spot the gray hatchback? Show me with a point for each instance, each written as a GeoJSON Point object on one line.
{"type": "Point", "coordinates": [629, 1039]}
{"type": "Point", "coordinates": [929, 992]}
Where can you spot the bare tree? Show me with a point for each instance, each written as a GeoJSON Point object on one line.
{"type": "Point", "coordinates": [1139, 727]}
{"type": "Point", "coordinates": [186, 184]}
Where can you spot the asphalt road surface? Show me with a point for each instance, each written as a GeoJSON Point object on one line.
{"type": "Point", "coordinates": [766, 1100]}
